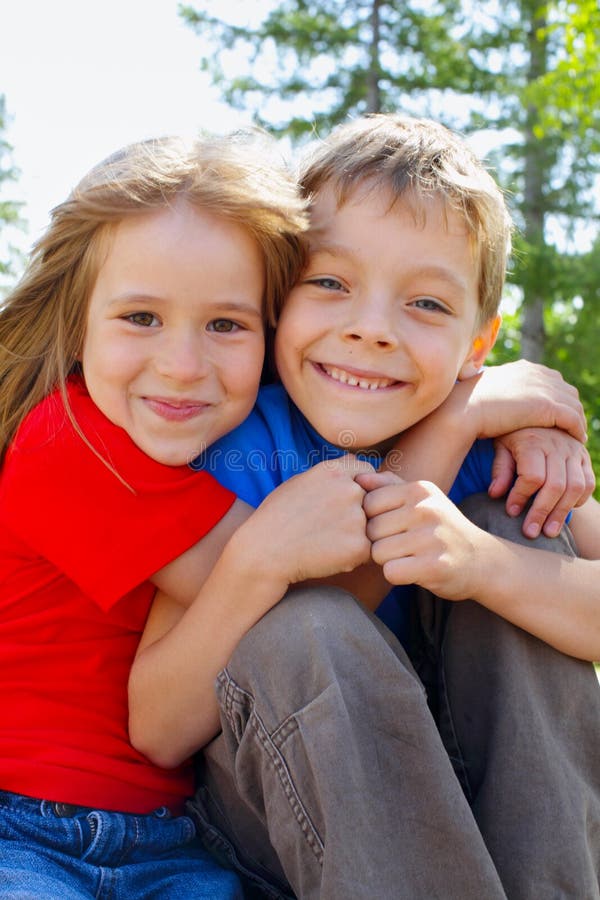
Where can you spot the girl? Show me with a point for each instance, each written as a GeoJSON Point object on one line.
{"type": "Point", "coordinates": [134, 340]}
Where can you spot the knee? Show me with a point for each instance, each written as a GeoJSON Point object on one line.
{"type": "Point", "coordinates": [304, 622]}
{"type": "Point", "coordinates": [314, 637]}
{"type": "Point", "coordinates": [491, 516]}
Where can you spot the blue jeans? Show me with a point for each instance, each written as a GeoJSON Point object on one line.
{"type": "Point", "coordinates": [55, 851]}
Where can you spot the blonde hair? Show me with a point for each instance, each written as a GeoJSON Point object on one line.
{"type": "Point", "coordinates": [419, 158]}
{"type": "Point", "coordinates": [42, 322]}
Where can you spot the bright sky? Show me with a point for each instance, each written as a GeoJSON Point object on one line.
{"type": "Point", "coordinates": [84, 77]}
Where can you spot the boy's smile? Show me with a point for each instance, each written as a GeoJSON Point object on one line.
{"type": "Point", "coordinates": [383, 320]}
{"type": "Point", "coordinates": [174, 340]}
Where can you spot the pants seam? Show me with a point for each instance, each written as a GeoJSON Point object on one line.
{"type": "Point", "coordinates": [457, 757]}
{"type": "Point", "coordinates": [234, 694]}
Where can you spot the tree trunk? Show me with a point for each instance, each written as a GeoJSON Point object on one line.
{"type": "Point", "coordinates": [533, 334]}
{"type": "Point", "coordinates": [373, 89]}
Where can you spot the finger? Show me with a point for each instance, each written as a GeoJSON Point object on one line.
{"type": "Point", "coordinates": [531, 468]}
{"type": "Point", "coordinates": [405, 570]}
{"type": "Point", "coordinates": [589, 478]}
{"type": "Point", "coordinates": [384, 499]}
{"type": "Point", "coordinates": [348, 463]}
{"type": "Point", "coordinates": [548, 497]}
{"type": "Point", "coordinates": [388, 549]}
{"type": "Point", "coordinates": [571, 418]}
{"type": "Point", "coordinates": [575, 490]}
{"type": "Point", "coordinates": [503, 471]}
{"type": "Point", "coordinates": [370, 481]}
{"type": "Point", "coordinates": [387, 524]}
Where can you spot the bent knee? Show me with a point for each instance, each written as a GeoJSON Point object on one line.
{"type": "Point", "coordinates": [303, 617]}
{"type": "Point", "coordinates": [490, 515]}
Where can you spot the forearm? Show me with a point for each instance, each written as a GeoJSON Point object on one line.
{"type": "Point", "coordinates": [554, 597]}
{"type": "Point", "coordinates": [434, 449]}
{"type": "Point", "coordinates": [172, 705]}
{"type": "Point", "coordinates": [312, 526]}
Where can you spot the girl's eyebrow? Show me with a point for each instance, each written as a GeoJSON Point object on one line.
{"type": "Point", "coordinates": [220, 306]}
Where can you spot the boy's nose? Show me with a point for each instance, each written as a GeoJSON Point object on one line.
{"type": "Point", "coordinates": [371, 326]}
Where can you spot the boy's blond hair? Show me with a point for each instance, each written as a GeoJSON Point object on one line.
{"type": "Point", "coordinates": [416, 158]}
{"type": "Point", "coordinates": [42, 322]}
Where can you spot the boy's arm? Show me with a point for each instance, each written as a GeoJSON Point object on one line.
{"type": "Point", "coordinates": [585, 528]}
{"type": "Point", "coordinates": [546, 460]}
{"type": "Point", "coordinates": [501, 400]}
{"type": "Point", "coordinates": [420, 537]}
{"type": "Point", "coordinates": [310, 527]}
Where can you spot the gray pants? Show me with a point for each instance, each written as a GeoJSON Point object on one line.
{"type": "Point", "coordinates": [334, 777]}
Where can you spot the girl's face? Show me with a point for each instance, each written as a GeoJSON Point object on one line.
{"type": "Point", "coordinates": [174, 341]}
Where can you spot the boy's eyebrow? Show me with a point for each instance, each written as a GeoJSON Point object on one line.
{"type": "Point", "coordinates": [442, 273]}
{"type": "Point", "coordinates": [317, 243]}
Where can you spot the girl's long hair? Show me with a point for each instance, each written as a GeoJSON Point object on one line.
{"type": "Point", "coordinates": [42, 322]}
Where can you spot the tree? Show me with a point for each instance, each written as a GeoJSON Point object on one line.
{"type": "Point", "coordinates": [515, 62]}
{"type": "Point", "coordinates": [9, 209]}
{"type": "Point", "coordinates": [328, 59]}
{"type": "Point", "coordinates": [523, 71]}
{"type": "Point", "coordinates": [551, 160]}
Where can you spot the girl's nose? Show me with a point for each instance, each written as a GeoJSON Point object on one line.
{"type": "Point", "coordinates": [183, 359]}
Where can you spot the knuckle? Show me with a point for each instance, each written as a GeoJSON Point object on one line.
{"type": "Point", "coordinates": [529, 482]}
{"type": "Point", "coordinates": [556, 484]}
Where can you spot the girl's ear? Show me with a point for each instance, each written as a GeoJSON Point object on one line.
{"type": "Point", "coordinates": [481, 346]}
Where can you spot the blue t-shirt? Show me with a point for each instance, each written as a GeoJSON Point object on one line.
{"type": "Point", "coordinates": [276, 442]}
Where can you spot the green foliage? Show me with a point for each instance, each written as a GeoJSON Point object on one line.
{"type": "Point", "coordinates": [572, 321]}
{"type": "Point", "coordinates": [571, 91]}
{"type": "Point", "coordinates": [326, 57]}
{"type": "Point", "coordinates": [525, 71]}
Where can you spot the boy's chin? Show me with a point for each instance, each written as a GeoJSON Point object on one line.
{"type": "Point", "coordinates": [371, 446]}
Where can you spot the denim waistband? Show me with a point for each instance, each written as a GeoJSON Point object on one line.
{"type": "Point", "coordinates": [63, 810]}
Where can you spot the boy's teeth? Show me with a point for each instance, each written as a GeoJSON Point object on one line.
{"type": "Point", "coordinates": [368, 384]}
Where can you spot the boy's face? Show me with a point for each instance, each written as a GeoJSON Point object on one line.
{"type": "Point", "coordinates": [383, 320]}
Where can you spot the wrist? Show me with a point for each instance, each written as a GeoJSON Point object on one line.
{"type": "Point", "coordinates": [252, 553]}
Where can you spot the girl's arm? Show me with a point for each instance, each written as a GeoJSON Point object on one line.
{"type": "Point", "coordinates": [310, 527]}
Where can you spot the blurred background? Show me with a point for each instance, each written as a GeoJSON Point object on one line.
{"type": "Point", "coordinates": [520, 78]}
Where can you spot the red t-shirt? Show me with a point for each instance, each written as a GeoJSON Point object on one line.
{"type": "Point", "coordinates": [76, 549]}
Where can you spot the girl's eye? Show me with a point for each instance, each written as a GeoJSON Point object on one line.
{"type": "Point", "coordinates": [430, 305]}
{"type": "Point", "coordinates": [222, 326]}
{"type": "Point", "coordinates": [329, 284]}
{"type": "Point", "coordinates": [143, 319]}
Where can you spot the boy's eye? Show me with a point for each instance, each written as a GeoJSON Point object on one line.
{"type": "Point", "coordinates": [223, 326]}
{"type": "Point", "coordinates": [430, 305]}
{"type": "Point", "coordinates": [143, 319]}
{"type": "Point", "coordinates": [329, 284]}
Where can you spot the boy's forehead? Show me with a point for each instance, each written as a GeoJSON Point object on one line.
{"type": "Point", "coordinates": [370, 201]}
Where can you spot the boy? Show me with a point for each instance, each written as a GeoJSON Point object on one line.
{"type": "Point", "coordinates": [328, 752]}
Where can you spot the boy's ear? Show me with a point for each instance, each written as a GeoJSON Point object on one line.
{"type": "Point", "coordinates": [481, 346]}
